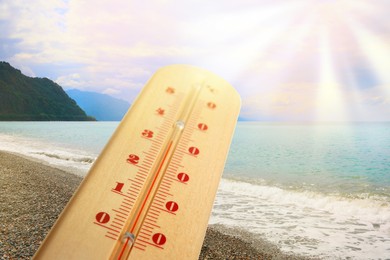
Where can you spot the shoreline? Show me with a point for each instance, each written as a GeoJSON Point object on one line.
{"type": "Point", "coordinates": [32, 195]}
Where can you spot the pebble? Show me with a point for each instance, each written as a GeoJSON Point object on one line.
{"type": "Point", "coordinates": [32, 196]}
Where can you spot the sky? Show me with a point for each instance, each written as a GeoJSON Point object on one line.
{"type": "Point", "coordinates": [290, 60]}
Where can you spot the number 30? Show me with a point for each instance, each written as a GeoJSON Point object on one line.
{"type": "Point", "coordinates": [147, 133]}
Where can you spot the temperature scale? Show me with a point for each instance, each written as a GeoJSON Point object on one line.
{"type": "Point", "coordinates": [150, 193]}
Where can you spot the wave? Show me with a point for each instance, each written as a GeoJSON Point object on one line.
{"type": "Point", "coordinates": [69, 159]}
{"type": "Point", "coordinates": [89, 160]}
{"type": "Point", "coordinates": [306, 222]}
{"type": "Point", "coordinates": [368, 207]}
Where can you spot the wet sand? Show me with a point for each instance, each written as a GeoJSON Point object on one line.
{"type": "Point", "coordinates": [32, 195]}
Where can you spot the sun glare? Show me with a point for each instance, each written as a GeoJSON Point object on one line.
{"type": "Point", "coordinates": [330, 103]}
{"type": "Point", "coordinates": [335, 36]}
{"type": "Point", "coordinates": [337, 21]}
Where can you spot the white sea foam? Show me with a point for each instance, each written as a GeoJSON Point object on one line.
{"type": "Point", "coordinates": [307, 222]}
{"type": "Point", "coordinates": [69, 159]}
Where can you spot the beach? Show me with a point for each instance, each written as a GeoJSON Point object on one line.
{"type": "Point", "coordinates": [32, 195]}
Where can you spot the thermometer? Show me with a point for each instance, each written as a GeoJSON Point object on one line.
{"type": "Point", "coordinates": [150, 193]}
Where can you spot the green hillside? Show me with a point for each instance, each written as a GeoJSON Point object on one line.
{"type": "Point", "coordinates": [24, 98]}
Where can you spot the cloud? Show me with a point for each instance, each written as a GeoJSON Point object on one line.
{"type": "Point", "coordinates": [111, 91]}
{"type": "Point", "coordinates": [370, 104]}
{"type": "Point", "coordinates": [70, 81]}
{"type": "Point", "coordinates": [269, 50]}
{"type": "Point", "coordinates": [288, 102]}
{"type": "Point", "coordinates": [296, 102]}
{"type": "Point", "coordinates": [109, 45]}
{"type": "Point", "coordinates": [27, 71]}
{"type": "Point", "coordinates": [375, 97]}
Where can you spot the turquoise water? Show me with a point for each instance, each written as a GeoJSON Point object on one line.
{"type": "Point", "coordinates": [88, 136]}
{"type": "Point", "coordinates": [352, 160]}
{"type": "Point", "coordinates": [321, 190]}
{"type": "Point", "coordinates": [72, 146]}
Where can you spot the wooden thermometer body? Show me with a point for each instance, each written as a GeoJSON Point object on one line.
{"type": "Point", "coordinates": [150, 193]}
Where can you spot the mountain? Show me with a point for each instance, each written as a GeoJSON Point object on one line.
{"type": "Point", "coordinates": [102, 107]}
{"type": "Point", "coordinates": [240, 118]}
{"type": "Point", "coordinates": [24, 98]}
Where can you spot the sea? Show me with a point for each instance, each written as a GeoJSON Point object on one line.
{"type": "Point", "coordinates": [319, 190]}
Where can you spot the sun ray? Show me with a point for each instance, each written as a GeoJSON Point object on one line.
{"type": "Point", "coordinates": [330, 103]}
{"type": "Point", "coordinates": [354, 93]}
{"type": "Point", "coordinates": [376, 51]}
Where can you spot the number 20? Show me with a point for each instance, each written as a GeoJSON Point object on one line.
{"type": "Point", "coordinates": [133, 159]}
